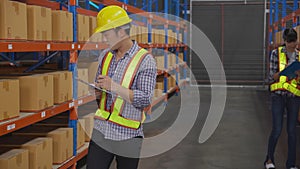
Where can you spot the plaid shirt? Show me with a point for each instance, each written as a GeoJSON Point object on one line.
{"type": "Point", "coordinates": [143, 86]}
{"type": "Point", "coordinates": [274, 67]}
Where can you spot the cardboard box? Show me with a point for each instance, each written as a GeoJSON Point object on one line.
{"type": "Point", "coordinates": [93, 24]}
{"type": "Point", "coordinates": [89, 125]}
{"type": "Point", "coordinates": [92, 69]}
{"type": "Point", "coordinates": [63, 122]}
{"type": "Point", "coordinates": [160, 62]}
{"type": "Point", "coordinates": [39, 23]}
{"type": "Point", "coordinates": [83, 89]}
{"type": "Point", "coordinates": [97, 37]}
{"type": "Point", "coordinates": [157, 93]}
{"type": "Point", "coordinates": [13, 20]}
{"type": "Point", "coordinates": [14, 159]}
{"type": "Point", "coordinates": [160, 83]}
{"type": "Point", "coordinates": [36, 92]}
{"type": "Point", "coordinates": [62, 26]}
{"type": "Point", "coordinates": [83, 30]}
{"type": "Point", "coordinates": [133, 32]}
{"type": "Point", "coordinates": [80, 133]}
{"type": "Point", "coordinates": [39, 149]}
{"type": "Point", "coordinates": [9, 99]}
{"type": "Point", "coordinates": [62, 140]}
{"type": "Point", "coordinates": [144, 35]}
{"type": "Point", "coordinates": [62, 86]}
{"type": "Point", "coordinates": [180, 57]}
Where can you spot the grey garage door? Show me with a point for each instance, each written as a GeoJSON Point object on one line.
{"type": "Point", "coordinates": [236, 30]}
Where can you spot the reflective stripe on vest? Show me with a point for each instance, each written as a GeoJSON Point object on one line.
{"type": "Point", "coordinates": [283, 83]}
{"type": "Point", "coordinates": [116, 115]}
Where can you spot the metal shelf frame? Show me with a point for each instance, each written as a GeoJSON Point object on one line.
{"type": "Point", "coordinates": [278, 16]}
{"type": "Point", "coordinates": [71, 49]}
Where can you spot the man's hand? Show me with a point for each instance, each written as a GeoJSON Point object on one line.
{"type": "Point", "coordinates": [276, 76]}
{"type": "Point", "coordinates": [106, 83]}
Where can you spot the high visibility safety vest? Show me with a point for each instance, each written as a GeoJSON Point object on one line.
{"type": "Point", "coordinates": [284, 83]}
{"type": "Point", "coordinates": [115, 113]}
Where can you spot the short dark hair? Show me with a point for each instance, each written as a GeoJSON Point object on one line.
{"type": "Point", "coordinates": [290, 35]}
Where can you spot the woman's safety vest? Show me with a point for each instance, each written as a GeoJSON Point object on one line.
{"type": "Point", "coordinates": [284, 83]}
{"type": "Point", "coordinates": [115, 113]}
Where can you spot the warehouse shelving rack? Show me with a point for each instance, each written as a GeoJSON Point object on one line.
{"type": "Point", "coordinates": [74, 47]}
{"type": "Point", "coordinates": [278, 17]}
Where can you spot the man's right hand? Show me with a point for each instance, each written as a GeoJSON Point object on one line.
{"type": "Point", "coordinates": [276, 76]}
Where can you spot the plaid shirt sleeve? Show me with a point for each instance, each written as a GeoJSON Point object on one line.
{"type": "Point", "coordinates": [273, 65]}
{"type": "Point", "coordinates": [146, 80]}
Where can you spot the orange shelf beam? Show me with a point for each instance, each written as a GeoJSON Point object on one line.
{"type": "Point", "coordinates": [91, 46]}
{"type": "Point", "coordinates": [83, 100]}
{"type": "Point", "coordinates": [138, 11]}
{"type": "Point", "coordinates": [27, 119]}
{"type": "Point", "coordinates": [30, 46]}
{"type": "Point", "coordinates": [86, 12]}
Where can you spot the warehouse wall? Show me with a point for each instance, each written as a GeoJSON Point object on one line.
{"type": "Point", "coordinates": [236, 31]}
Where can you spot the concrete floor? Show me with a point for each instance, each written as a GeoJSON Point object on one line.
{"type": "Point", "coordinates": [239, 142]}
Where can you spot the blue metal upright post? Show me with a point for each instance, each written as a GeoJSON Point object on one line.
{"type": "Point", "coordinates": [177, 38]}
{"type": "Point", "coordinates": [150, 22]}
{"type": "Point", "coordinates": [271, 23]}
{"type": "Point", "coordinates": [185, 37]}
{"type": "Point", "coordinates": [87, 4]}
{"type": "Point", "coordinates": [166, 10]}
{"type": "Point", "coordinates": [73, 68]}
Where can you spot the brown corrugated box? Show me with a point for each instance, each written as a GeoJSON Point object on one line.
{"type": "Point", "coordinates": [160, 83]}
{"type": "Point", "coordinates": [13, 20]}
{"type": "Point", "coordinates": [63, 122]}
{"type": "Point", "coordinates": [60, 136]}
{"type": "Point", "coordinates": [62, 86]}
{"type": "Point", "coordinates": [93, 24]}
{"type": "Point", "coordinates": [62, 26]}
{"type": "Point", "coordinates": [39, 23]}
{"type": "Point", "coordinates": [89, 125]}
{"type": "Point", "coordinates": [83, 89]}
{"type": "Point", "coordinates": [83, 30]}
{"type": "Point", "coordinates": [39, 149]}
{"type": "Point", "coordinates": [160, 62]}
{"type": "Point", "coordinates": [9, 99]}
{"type": "Point", "coordinates": [180, 57]}
{"type": "Point", "coordinates": [14, 159]}
{"type": "Point", "coordinates": [92, 69]}
{"type": "Point", "coordinates": [80, 133]}
{"type": "Point", "coordinates": [144, 35]}
{"type": "Point", "coordinates": [36, 92]}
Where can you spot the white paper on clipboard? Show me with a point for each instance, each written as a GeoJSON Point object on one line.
{"type": "Point", "coordinates": [92, 85]}
{"type": "Point", "coordinates": [95, 87]}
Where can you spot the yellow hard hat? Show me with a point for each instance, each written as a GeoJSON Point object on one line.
{"type": "Point", "coordinates": [111, 17]}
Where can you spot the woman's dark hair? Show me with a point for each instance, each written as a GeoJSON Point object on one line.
{"type": "Point", "coordinates": [290, 35]}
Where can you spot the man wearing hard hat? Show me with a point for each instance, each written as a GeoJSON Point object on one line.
{"type": "Point", "coordinates": [127, 75]}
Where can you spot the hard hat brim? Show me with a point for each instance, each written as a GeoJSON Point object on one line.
{"type": "Point", "coordinates": [112, 25]}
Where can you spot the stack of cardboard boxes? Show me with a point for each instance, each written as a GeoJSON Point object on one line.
{"type": "Point", "coordinates": [19, 21]}
{"type": "Point", "coordinates": [9, 98]}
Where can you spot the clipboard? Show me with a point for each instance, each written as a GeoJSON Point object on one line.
{"type": "Point", "coordinates": [290, 70]}
{"type": "Point", "coordinates": [93, 86]}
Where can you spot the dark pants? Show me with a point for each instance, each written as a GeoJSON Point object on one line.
{"type": "Point", "coordinates": [101, 152]}
{"type": "Point", "coordinates": [279, 103]}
